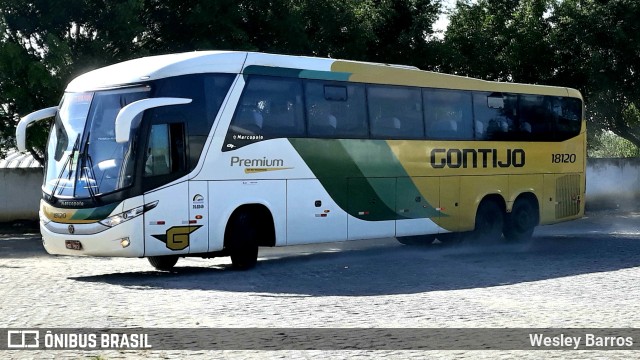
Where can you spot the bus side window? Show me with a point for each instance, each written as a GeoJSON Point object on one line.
{"type": "Point", "coordinates": [496, 116]}
{"type": "Point", "coordinates": [570, 117]}
{"type": "Point", "coordinates": [165, 153]}
{"type": "Point", "coordinates": [448, 114]}
{"type": "Point", "coordinates": [549, 118]}
{"type": "Point", "coordinates": [335, 109]}
{"type": "Point", "coordinates": [270, 107]}
{"type": "Point", "coordinates": [536, 118]}
{"type": "Point", "coordinates": [395, 112]}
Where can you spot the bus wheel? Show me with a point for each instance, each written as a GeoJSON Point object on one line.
{"type": "Point", "coordinates": [243, 241]}
{"type": "Point", "coordinates": [416, 240]}
{"type": "Point", "coordinates": [164, 263]}
{"type": "Point", "coordinates": [520, 223]}
{"type": "Point", "coordinates": [489, 223]}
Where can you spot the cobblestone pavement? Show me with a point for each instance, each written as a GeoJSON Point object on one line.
{"type": "Point", "coordinates": [584, 273]}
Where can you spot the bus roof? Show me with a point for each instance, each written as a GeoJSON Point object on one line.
{"type": "Point", "coordinates": [143, 69]}
{"type": "Point", "coordinates": [156, 67]}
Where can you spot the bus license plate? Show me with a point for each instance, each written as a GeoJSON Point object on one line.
{"type": "Point", "coordinates": [73, 244]}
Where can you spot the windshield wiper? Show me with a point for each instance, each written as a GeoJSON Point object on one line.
{"type": "Point", "coordinates": [86, 158]}
{"type": "Point", "coordinates": [67, 162]}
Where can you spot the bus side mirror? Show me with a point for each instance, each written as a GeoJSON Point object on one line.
{"type": "Point", "coordinates": [21, 129]}
{"type": "Point", "coordinates": [128, 113]}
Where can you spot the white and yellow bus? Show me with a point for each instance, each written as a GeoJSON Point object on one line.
{"type": "Point", "coordinates": [217, 153]}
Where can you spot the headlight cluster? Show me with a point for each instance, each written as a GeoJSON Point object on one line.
{"type": "Point", "coordinates": [118, 219]}
{"type": "Point", "coordinates": [43, 219]}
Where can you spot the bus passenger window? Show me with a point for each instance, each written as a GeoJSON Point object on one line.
{"type": "Point", "coordinates": [448, 114]}
{"type": "Point", "coordinates": [549, 118]}
{"type": "Point", "coordinates": [395, 112]}
{"type": "Point", "coordinates": [335, 109]}
{"type": "Point", "coordinates": [248, 120]}
{"type": "Point", "coordinates": [569, 118]}
{"type": "Point", "coordinates": [496, 116]}
{"type": "Point", "coordinates": [536, 119]}
{"type": "Point", "coordinates": [270, 107]}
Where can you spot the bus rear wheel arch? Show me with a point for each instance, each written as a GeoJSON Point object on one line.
{"type": "Point", "coordinates": [523, 218]}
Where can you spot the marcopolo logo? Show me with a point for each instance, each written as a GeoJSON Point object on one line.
{"type": "Point", "coordinates": [476, 158]}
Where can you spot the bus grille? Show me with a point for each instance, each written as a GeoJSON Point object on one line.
{"type": "Point", "coordinates": [567, 195]}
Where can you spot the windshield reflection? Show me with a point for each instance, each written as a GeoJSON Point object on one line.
{"type": "Point", "coordinates": [85, 159]}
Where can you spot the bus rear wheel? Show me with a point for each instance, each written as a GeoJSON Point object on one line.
{"type": "Point", "coordinates": [521, 221]}
{"type": "Point", "coordinates": [243, 241]}
{"type": "Point", "coordinates": [489, 223]}
{"type": "Point", "coordinates": [164, 263]}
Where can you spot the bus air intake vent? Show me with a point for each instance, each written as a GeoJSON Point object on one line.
{"type": "Point", "coordinates": [567, 196]}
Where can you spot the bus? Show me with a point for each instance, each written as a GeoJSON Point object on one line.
{"type": "Point", "coordinates": [216, 153]}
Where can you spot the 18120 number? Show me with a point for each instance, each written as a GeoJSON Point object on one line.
{"type": "Point", "coordinates": [563, 158]}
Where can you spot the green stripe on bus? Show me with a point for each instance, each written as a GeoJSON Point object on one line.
{"type": "Point", "coordinates": [364, 178]}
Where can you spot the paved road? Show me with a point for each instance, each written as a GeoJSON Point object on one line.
{"type": "Point", "coordinates": [580, 274]}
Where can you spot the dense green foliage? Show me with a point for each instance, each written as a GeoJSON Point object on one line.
{"type": "Point", "coordinates": [609, 145]}
{"type": "Point", "coordinates": [591, 45]}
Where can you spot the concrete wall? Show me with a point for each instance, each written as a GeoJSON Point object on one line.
{"type": "Point", "coordinates": [20, 193]}
{"type": "Point", "coordinates": [611, 184]}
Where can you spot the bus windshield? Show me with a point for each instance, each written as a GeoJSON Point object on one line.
{"type": "Point", "coordinates": [84, 158]}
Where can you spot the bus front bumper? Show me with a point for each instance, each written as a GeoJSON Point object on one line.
{"type": "Point", "coordinates": [123, 240]}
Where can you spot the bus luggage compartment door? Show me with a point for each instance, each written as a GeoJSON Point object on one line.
{"type": "Point", "coordinates": [417, 205]}
{"type": "Point", "coordinates": [372, 204]}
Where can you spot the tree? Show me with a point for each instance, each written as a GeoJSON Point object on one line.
{"type": "Point", "coordinates": [610, 145]}
{"type": "Point", "coordinates": [503, 40]}
{"type": "Point", "coordinates": [46, 43]}
{"type": "Point", "coordinates": [598, 44]}
{"type": "Point", "coordinates": [403, 32]}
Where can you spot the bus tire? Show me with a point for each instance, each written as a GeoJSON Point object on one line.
{"type": "Point", "coordinates": [164, 263]}
{"type": "Point", "coordinates": [243, 241]}
{"type": "Point", "coordinates": [522, 220]}
{"type": "Point", "coordinates": [416, 240]}
{"type": "Point", "coordinates": [489, 223]}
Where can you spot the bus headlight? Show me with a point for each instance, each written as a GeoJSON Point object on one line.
{"type": "Point", "coordinates": [43, 219]}
{"type": "Point", "coordinates": [118, 219]}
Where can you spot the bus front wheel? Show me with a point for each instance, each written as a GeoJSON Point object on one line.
{"type": "Point", "coordinates": [521, 221]}
{"type": "Point", "coordinates": [243, 241]}
{"type": "Point", "coordinates": [164, 263]}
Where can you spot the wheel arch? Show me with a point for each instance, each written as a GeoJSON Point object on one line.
{"type": "Point", "coordinates": [495, 197]}
{"type": "Point", "coordinates": [264, 220]}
